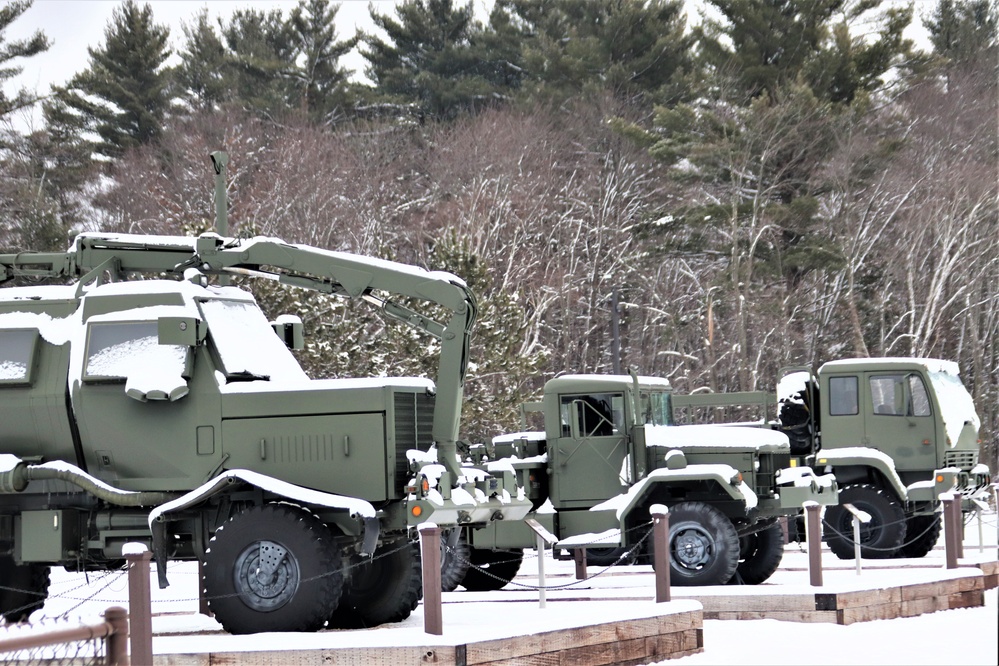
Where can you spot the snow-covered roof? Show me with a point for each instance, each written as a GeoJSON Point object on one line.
{"type": "Point", "coordinates": [931, 364]}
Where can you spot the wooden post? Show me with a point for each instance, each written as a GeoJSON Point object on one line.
{"type": "Point", "coordinates": [430, 546]}
{"type": "Point", "coordinates": [950, 530]}
{"type": "Point", "coordinates": [785, 529]}
{"type": "Point", "coordinates": [579, 557]}
{"type": "Point", "coordinates": [660, 550]}
{"type": "Point", "coordinates": [117, 642]}
{"type": "Point", "coordinates": [139, 603]}
{"type": "Point", "coordinates": [814, 539]}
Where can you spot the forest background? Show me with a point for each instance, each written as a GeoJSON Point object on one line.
{"type": "Point", "coordinates": [785, 183]}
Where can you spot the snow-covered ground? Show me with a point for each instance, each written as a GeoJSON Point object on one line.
{"type": "Point", "coordinates": [963, 636]}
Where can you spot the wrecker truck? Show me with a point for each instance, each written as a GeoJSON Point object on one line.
{"type": "Point", "coordinates": [140, 403]}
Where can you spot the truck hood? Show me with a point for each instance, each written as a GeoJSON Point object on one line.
{"type": "Point", "coordinates": [715, 436]}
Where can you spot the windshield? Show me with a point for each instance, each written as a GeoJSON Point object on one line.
{"type": "Point", "coordinates": [247, 345]}
{"type": "Point", "coordinates": [656, 409]}
{"type": "Point", "coordinates": [956, 405]}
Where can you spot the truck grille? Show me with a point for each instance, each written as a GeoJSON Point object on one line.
{"type": "Point", "coordinates": [961, 459]}
{"type": "Point", "coordinates": [766, 475]}
{"type": "Point", "coordinates": [414, 420]}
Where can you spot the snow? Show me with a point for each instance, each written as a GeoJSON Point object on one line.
{"type": "Point", "coordinates": [957, 407]}
{"type": "Point", "coordinates": [8, 462]}
{"type": "Point", "coordinates": [790, 385]}
{"type": "Point", "coordinates": [290, 385]}
{"type": "Point", "coordinates": [968, 636]}
{"type": "Point", "coordinates": [684, 436]}
{"type": "Point", "coordinates": [133, 548]}
{"type": "Point", "coordinates": [246, 342]}
{"type": "Point", "coordinates": [621, 502]}
{"type": "Point", "coordinates": [53, 331]}
{"type": "Point", "coordinates": [357, 507]}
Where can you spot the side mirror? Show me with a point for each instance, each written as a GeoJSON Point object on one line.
{"type": "Point", "coordinates": [289, 328]}
{"type": "Point", "coordinates": [184, 331]}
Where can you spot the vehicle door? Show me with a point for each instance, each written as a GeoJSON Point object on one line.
{"type": "Point", "coordinates": [899, 419]}
{"type": "Point", "coordinates": [147, 413]}
{"type": "Point", "coordinates": [591, 452]}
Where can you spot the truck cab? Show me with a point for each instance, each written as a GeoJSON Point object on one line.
{"type": "Point", "coordinates": [897, 433]}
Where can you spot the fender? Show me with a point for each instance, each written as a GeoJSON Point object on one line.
{"type": "Point", "coordinates": [861, 456]}
{"type": "Point", "coordinates": [358, 508]}
{"type": "Point", "coordinates": [724, 476]}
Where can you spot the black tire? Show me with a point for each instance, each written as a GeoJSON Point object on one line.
{"type": "Point", "coordinates": [454, 561]}
{"type": "Point", "coordinates": [386, 588]}
{"type": "Point", "coordinates": [760, 555]}
{"type": "Point", "coordinates": [880, 538]}
{"type": "Point", "coordinates": [301, 591]}
{"type": "Point", "coordinates": [921, 534]}
{"type": "Point", "coordinates": [703, 545]}
{"type": "Point", "coordinates": [605, 557]}
{"type": "Point", "coordinates": [23, 589]}
{"type": "Point", "coordinates": [492, 569]}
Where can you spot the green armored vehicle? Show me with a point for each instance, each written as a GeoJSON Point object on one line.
{"type": "Point", "coordinates": [169, 411]}
{"type": "Point", "coordinates": [610, 450]}
{"type": "Point", "coordinates": [895, 432]}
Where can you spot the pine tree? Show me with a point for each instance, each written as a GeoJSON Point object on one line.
{"type": "Point", "coordinates": [261, 61]}
{"type": "Point", "coordinates": [10, 51]}
{"type": "Point", "coordinates": [633, 48]}
{"type": "Point", "coordinates": [764, 45]}
{"type": "Point", "coordinates": [436, 57]}
{"type": "Point", "coordinates": [201, 76]}
{"type": "Point", "coordinates": [962, 31]}
{"type": "Point", "coordinates": [322, 84]}
{"type": "Point", "coordinates": [123, 96]}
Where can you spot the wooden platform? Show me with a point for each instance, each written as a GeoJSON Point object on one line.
{"type": "Point", "coordinates": [852, 606]}
{"type": "Point", "coordinates": [647, 634]}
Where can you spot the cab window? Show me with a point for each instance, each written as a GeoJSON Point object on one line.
{"type": "Point", "coordinates": [843, 400]}
{"type": "Point", "coordinates": [888, 395]}
{"type": "Point", "coordinates": [920, 398]}
{"type": "Point", "coordinates": [655, 409]}
{"type": "Point", "coordinates": [598, 414]}
{"type": "Point", "coordinates": [116, 349]}
{"type": "Point", "coordinates": [17, 353]}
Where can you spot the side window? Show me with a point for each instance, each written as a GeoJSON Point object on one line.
{"type": "Point", "coordinates": [920, 399]}
{"type": "Point", "coordinates": [888, 395]}
{"type": "Point", "coordinates": [598, 414]}
{"type": "Point", "coordinates": [656, 409]}
{"type": "Point", "coordinates": [17, 353]}
{"type": "Point", "coordinates": [843, 400]}
{"type": "Point", "coordinates": [117, 349]}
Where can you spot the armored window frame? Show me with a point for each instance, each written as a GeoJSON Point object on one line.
{"type": "Point", "coordinates": [17, 355]}
{"type": "Point", "coordinates": [123, 333]}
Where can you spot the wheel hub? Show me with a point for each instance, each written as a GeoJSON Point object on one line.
{"type": "Point", "coordinates": [266, 576]}
{"type": "Point", "coordinates": [691, 547]}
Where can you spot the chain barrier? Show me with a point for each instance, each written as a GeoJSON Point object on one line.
{"type": "Point", "coordinates": [626, 555]}
{"type": "Point", "coordinates": [87, 652]}
{"type": "Point", "coordinates": [122, 574]}
{"type": "Point", "coordinates": [849, 538]}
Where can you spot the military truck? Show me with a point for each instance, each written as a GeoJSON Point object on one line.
{"type": "Point", "coordinates": [140, 403]}
{"type": "Point", "coordinates": [895, 432]}
{"type": "Point", "coordinates": [609, 451]}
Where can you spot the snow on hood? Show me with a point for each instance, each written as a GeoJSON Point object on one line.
{"type": "Point", "coordinates": [684, 436]}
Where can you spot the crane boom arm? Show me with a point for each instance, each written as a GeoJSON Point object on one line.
{"type": "Point", "coordinates": [376, 281]}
